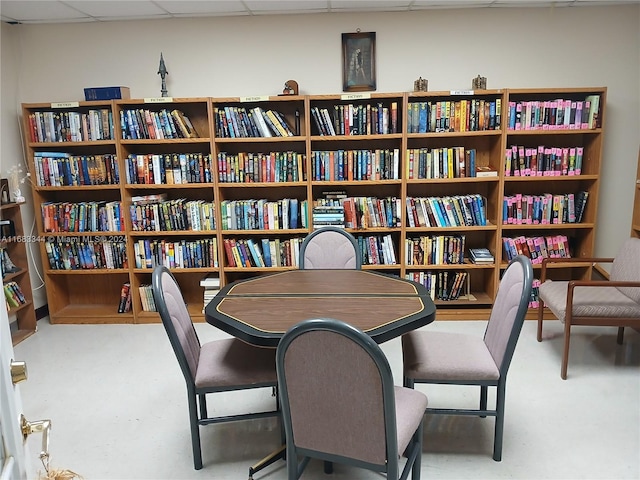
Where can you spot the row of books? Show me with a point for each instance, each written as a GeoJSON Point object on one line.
{"type": "Point", "coordinates": [329, 215]}
{"type": "Point", "coordinates": [523, 209]}
{"type": "Point", "coordinates": [211, 285]}
{"type": "Point", "coordinates": [536, 248]}
{"type": "Point", "coordinates": [447, 211]}
{"type": "Point", "coordinates": [283, 214]}
{"type": "Point", "coordinates": [154, 213]}
{"type": "Point", "coordinates": [372, 212]}
{"type": "Point", "coordinates": [446, 162]}
{"type": "Point", "coordinates": [249, 167]}
{"type": "Point", "coordinates": [199, 253]}
{"type": "Point", "coordinates": [350, 165]}
{"type": "Point", "coordinates": [124, 305]}
{"type": "Point", "coordinates": [534, 301]}
{"type": "Point", "coordinates": [13, 295]}
{"type": "Point", "coordinates": [98, 216]}
{"type": "Point", "coordinates": [146, 298]}
{"type": "Point", "coordinates": [444, 285]}
{"type": "Point", "coordinates": [521, 161]}
{"type": "Point", "coordinates": [58, 169]}
{"type": "Point", "coordinates": [377, 250]}
{"type": "Point", "coordinates": [559, 114]}
{"type": "Point", "coordinates": [240, 122]}
{"type": "Point", "coordinates": [141, 123]}
{"type": "Point", "coordinates": [435, 250]}
{"type": "Point", "coordinates": [265, 252]}
{"type": "Point", "coordinates": [467, 115]}
{"type": "Point", "coordinates": [356, 119]}
{"type": "Point", "coordinates": [65, 126]}
{"type": "Point", "coordinates": [172, 169]}
{"type": "Point", "coordinates": [89, 255]}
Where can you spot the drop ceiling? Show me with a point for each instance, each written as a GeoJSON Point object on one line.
{"type": "Point", "coordinates": [50, 11]}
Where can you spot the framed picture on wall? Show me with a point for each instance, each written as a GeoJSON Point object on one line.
{"type": "Point", "coordinates": [359, 61]}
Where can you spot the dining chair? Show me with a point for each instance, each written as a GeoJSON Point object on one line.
{"type": "Point", "coordinates": [613, 302]}
{"type": "Point", "coordinates": [216, 366]}
{"type": "Point", "coordinates": [462, 359]}
{"type": "Point", "coordinates": [330, 247]}
{"type": "Point", "coordinates": [339, 403]}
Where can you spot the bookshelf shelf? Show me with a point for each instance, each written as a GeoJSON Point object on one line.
{"type": "Point", "coordinates": [363, 145]}
{"type": "Point", "coordinates": [16, 248]}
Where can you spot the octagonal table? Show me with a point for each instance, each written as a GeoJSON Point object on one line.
{"type": "Point", "coordinates": [260, 310]}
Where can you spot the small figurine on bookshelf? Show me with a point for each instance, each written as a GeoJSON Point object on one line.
{"type": "Point", "coordinates": [479, 83]}
{"type": "Point", "coordinates": [162, 71]}
{"type": "Point", "coordinates": [290, 88]}
{"type": "Point", "coordinates": [421, 85]}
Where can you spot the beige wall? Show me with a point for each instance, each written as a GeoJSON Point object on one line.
{"type": "Point", "coordinates": [242, 56]}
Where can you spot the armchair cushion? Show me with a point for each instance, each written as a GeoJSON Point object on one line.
{"type": "Point", "coordinates": [588, 301]}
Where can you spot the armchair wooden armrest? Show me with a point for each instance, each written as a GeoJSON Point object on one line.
{"type": "Point", "coordinates": [592, 260]}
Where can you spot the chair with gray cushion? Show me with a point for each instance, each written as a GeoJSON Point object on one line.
{"type": "Point", "coordinates": [461, 359]}
{"type": "Point", "coordinates": [339, 403]}
{"type": "Point", "coordinates": [216, 366]}
{"type": "Point", "coordinates": [330, 247]}
{"type": "Point", "coordinates": [614, 302]}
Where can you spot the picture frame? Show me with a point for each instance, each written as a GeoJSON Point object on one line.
{"type": "Point", "coordinates": [359, 61]}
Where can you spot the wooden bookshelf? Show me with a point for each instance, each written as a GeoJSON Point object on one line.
{"type": "Point", "coordinates": [589, 138]}
{"type": "Point", "coordinates": [385, 130]}
{"type": "Point", "coordinates": [16, 247]}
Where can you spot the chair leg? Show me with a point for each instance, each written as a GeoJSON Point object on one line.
{"type": "Point", "coordinates": [417, 464]}
{"type": "Point", "coordinates": [540, 312]}
{"type": "Point", "coordinates": [620, 335]}
{"type": "Point", "coordinates": [565, 353]}
{"type": "Point", "coordinates": [483, 398]}
{"type": "Point", "coordinates": [203, 405]}
{"type": "Point", "coordinates": [497, 440]}
{"type": "Point", "coordinates": [195, 431]}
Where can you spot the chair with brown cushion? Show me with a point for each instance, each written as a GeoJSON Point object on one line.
{"type": "Point", "coordinates": [339, 403]}
{"type": "Point", "coordinates": [614, 302]}
{"type": "Point", "coordinates": [461, 359]}
{"type": "Point", "coordinates": [216, 366]}
{"type": "Point", "coordinates": [330, 247]}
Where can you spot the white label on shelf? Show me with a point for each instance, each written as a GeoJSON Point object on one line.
{"type": "Point", "coordinates": [355, 96]}
{"type": "Point", "coordinates": [461, 92]}
{"type": "Point", "coordinates": [256, 98]}
{"type": "Point", "coordinates": [65, 105]}
{"type": "Point", "coordinates": [158, 100]}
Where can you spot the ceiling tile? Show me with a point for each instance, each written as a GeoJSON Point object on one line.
{"type": "Point", "coordinates": [38, 10]}
{"type": "Point", "coordinates": [116, 8]}
{"type": "Point", "coordinates": [200, 7]}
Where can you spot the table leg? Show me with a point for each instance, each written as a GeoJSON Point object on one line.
{"type": "Point", "coordinates": [268, 460]}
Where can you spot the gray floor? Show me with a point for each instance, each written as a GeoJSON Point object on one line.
{"type": "Point", "coordinates": [116, 398]}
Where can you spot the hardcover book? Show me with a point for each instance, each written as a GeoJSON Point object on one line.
{"type": "Point", "coordinates": [106, 93]}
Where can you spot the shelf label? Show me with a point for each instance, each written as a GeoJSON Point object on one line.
{"type": "Point", "coordinates": [65, 105]}
{"type": "Point", "coordinates": [158, 100]}
{"type": "Point", "coordinates": [256, 98]}
{"type": "Point", "coordinates": [355, 96]}
{"type": "Point", "coordinates": [462, 92]}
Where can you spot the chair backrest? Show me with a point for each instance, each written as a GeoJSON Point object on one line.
{"type": "Point", "coordinates": [330, 247]}
{"type": "Point", "coordinates": [626, 267]}
{"type": "Point", "coordinates": [177, 321]}
{"type": "Point", "coordinates": [508, 312]}
{"type": "Point", "coordinates": [337, 392]}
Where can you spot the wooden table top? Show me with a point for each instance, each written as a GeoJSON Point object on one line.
{"type": "Point", "coordinates": [260, 310]}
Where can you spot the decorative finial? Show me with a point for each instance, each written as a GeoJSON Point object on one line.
{"type": "Point", "coordinates": [162, 71]}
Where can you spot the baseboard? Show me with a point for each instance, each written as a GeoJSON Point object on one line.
{"type": "Point", "coordinates": [42, 311]}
